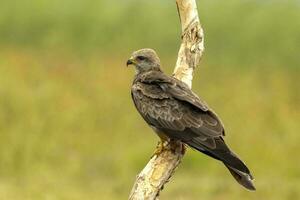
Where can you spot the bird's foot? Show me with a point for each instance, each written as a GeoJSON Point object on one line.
{"type": "Point", "coordinates": [161, 146]}
{"type": "Point", "coordinates": [169, 145]}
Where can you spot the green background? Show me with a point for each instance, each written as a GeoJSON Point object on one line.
{"type": "Point", "coordinates": [68, 128]}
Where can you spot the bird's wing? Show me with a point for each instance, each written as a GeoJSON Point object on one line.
{"type": "Point", "coordinates": [174, 110]}
{"type": "Point", "coordinates": [171, 107]}
{"type": "Point", "coordinates": [175, 88]}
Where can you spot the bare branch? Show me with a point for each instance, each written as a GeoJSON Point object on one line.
{"type": "Point", "coordinates": [158, 171]}
{"type": "Point", "coordinates": [168, 154]}
{"type": "Point", "coordinates": [192, 45]}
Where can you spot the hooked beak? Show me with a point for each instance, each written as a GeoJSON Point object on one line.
{"type": "Point", "coordinates": [130, 61]}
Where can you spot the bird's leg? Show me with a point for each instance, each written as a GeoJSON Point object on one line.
{"type": "Point", "coordinates": [177, 146]}
{"type": "Point", "coordinates": [161, 146]}
{"type": "Point", "coordinates": [169, 144]}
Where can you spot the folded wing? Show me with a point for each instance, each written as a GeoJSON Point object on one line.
{"type": "Point", "coordinates": [172, 108]}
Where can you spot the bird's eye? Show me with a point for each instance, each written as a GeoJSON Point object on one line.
{"type": "Point", "coordinates": [141, 58]}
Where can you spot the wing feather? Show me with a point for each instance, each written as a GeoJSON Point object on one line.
{"type": "Point", "coordinates": [164, 108]}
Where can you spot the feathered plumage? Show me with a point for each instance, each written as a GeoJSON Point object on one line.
{"type": "Point", "coordinates": [171, 108]}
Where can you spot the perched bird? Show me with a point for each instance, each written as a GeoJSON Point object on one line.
{"type": "Point", "coordinates": [173, 111]}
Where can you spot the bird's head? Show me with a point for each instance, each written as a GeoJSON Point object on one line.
{"type": "Point", "coordinates": [144, 60]}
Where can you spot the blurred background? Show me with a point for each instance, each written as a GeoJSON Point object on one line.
{"type": "Point", "coordinates": [68, 127]}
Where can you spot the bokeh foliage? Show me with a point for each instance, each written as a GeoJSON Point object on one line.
{"type": "Point", "coordinates": [68, 128]}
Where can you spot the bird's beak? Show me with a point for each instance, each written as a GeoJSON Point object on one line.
{"type": "Point", "coordinates": [130, 61]}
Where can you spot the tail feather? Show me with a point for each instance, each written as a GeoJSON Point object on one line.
{"type": "Point", "coordinates": [242, 178]}
{"type": "Point", "coordinates": [215, 147]}
{"type": "Point", "coordinates": [236, 167]}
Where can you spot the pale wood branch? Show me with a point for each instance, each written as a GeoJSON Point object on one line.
{"type": "Point", "coordinates": [168, 154]}
{"type": "Point", "coordinates": [192, 45]}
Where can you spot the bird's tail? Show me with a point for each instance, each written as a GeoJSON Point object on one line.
{"type": "Point", "coordinates": [237, 168]}
{"type": "Point", "coordinates": [245, 179]}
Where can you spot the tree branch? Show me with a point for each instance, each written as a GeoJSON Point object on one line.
{"type": "Point", "coordinates": [168, 154]}
{"type": "Point", "coordinates": [192, 45]}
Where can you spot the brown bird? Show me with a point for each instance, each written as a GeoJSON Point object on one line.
{"type": "Point", "coordinates": [171, 108]}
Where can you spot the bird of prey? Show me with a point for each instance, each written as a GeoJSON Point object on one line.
{"type": "Point", "coordinates": [173, 111]}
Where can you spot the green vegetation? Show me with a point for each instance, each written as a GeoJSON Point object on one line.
{"type": "Point", "coordinates": [68, 128]}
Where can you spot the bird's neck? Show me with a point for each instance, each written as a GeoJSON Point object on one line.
{"type": "Point", "coordinates": [142, 74]}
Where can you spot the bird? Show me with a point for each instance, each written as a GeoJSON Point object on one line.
{"type": "Point", "coordinates": [175, 112]}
